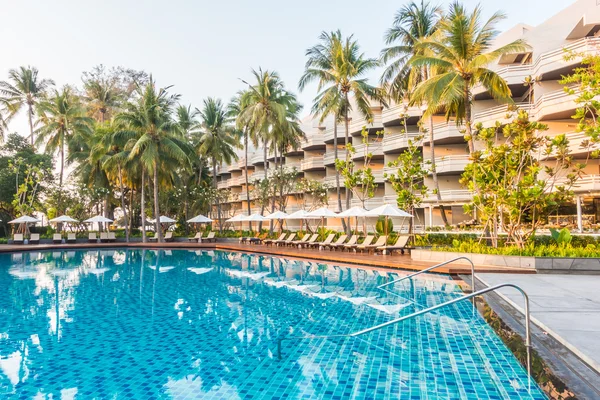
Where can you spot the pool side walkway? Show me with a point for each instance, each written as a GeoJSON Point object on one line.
{"type": "Point", "coordinates": [567, 307]}
{"type": "Point", "coordinates": [396, 261]}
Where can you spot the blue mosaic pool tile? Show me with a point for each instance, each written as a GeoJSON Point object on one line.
{"type": "Point", "coordinates": [146, 324]}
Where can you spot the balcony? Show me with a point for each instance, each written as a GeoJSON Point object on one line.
{"type": "Point", "coordinates": [223, 169]}
{"type": "Point", "coordinates": [257, 158]}
{"type": "Point", "coordinates": [330, 180]}
{"type": "Point", "coordinates": [329, 158]}
{"type": "Point", "coordinates": [587, 184]}
{"type": "Point", "coordinates": [449, 196]}
{"type": "Point", "coordinates": [370, 204]}
{"type": "Point", "coordinates": [237, 181]}
{"type": "Point", "coordinates": [396, 143]}
{"type": "Point", "coordinates": [314, 141]}
{"type": "Point", "coordinates": [547, 62]}
{"type": "Point", "coordinates": [224, 184]}
{"type": "Point", "coordinates": [292, 164]}
{"type": "Point", "coordinates": [375, 148]}
{"type": "Point", "coordinates": [355, 127]}
{"type": "Point", "coordinates": [392, 115]}
{"type": "Point", "coordinates": [450, 164]}
{"type": "Point", "coordinates": [446, 133]}
{"type": "Point", "coordinates": [328, 134]}
{"type": "Point", "coordinates": [499, 113]}
{"type": "Point", "coordinates": [312, 164]}
{"type": "Point", "coordinates": [256, 176]}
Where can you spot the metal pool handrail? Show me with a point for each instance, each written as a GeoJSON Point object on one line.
{"type": "Point", "coordinates": [427, 310]}
{"type": "Point", "coordinates": [434, 267]}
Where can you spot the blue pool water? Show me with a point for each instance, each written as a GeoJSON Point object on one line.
{"type": "Point", "coordinates": [145, 324]}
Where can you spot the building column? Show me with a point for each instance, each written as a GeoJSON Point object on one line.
{"type": "Point", "coordinates": [430, 216]}
{"type": "Point", "coordinates": [579, 215]}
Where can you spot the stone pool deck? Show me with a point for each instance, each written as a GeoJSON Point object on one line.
{"type": "Point", "coordinates": [565, 306]}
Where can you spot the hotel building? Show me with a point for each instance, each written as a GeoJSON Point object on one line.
{"type": "Point", "coordinates": [576, 28]}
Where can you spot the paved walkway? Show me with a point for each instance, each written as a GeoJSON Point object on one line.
{"type": "Point", "coordinates": [565, 306]}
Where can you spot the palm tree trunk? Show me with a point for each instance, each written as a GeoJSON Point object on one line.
{"type": "Point", "coordinates": [436, 184]}
{"type": "Point", "coordinates": [246, 169]}
{"type": "Point", "coordinates": [130, 219]}
{"type": "Point", "coordinates": [156, 209]}
{"type": "Point", "coordinates": [262, 206]}
{"type": "Point", "coordinates": [337, 173]}
{"type": "Point", "coordinates": [31, 122]}
{"type": "Point", "coordinates": [468, 128]}
{"type": "Point", "coordinates": [123, 204]}
{"type": "Point", "coordinates": [217, 194]}
{"type": "Point", "coordinates": [143, 206]}
{"type": "Point", "coordinates": [347, 135]}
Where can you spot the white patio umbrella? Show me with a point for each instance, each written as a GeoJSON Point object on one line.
{"type": "Point", "coordinates": [355, 212]}
{"type": "Point", "coordinates": [279, 216]}
{"type": "Point", "coordinates": [163, 219]}
{"type": "Point", "coordinates": [388, 210]}
{"type": "Point", "coordinates": [301, 215]}
{"type": "Point", "coordinates": [23, 222]}
{"type": "Point", "coordinates": [64, 218]}
{"type": "Point", "coordinates": [323, 213]}
{"type": "Point", "coordinates": [237, 218]}
{"type": "Point", "coordinates": [99, 219]}
{"type": "Point", "coordinates": [255, 218]}
{"type": "Point", "coordinates": [199, 219]}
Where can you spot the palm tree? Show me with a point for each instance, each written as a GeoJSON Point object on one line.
{"type": "Point", "coordinates": [412, 24]}
{"type": "Point", "coordinates": [62, 116]}
{"type": "Point", "coordinates": [265, 105]}
{"type": "Point", "coordinates": [461, 51]}
{"type": "Point", "coordinates": [102, 96]}
{"type": "Point", "coordinates": [157, 145]}
{"type": "Point", "coordinates": [338, 66]}
{"type": "Point", "coordinates": [218, 140]}
{"type": "Point", "coordinates": [25, 88]}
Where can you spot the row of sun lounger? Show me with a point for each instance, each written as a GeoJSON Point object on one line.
{"type": "Point", "coordinates": [342, 244]}
{"type": "Point", "coordinates": [105, 237]}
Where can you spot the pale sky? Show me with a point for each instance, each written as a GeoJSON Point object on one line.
{"type": "Point", "coordinates": [201, 47]}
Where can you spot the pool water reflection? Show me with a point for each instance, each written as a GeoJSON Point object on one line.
{"type": "Point", "coordinates": [203, 324]}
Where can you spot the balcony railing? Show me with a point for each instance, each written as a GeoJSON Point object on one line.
{"type": "Point", "coordinates": [393, 113]}
{"type": "Point", "coordinates": [257, 158]}
{"type": "Point", "coordinates": [397, 142]}
{"type": "Point", "coordinates": [375, 148]}
{"type": "Point", "coordinates": [449, 164]}
{"type": "Point", "coordinates": [223, 169]}
{"type": "Point", "coordinates": [314, 140]}
{"type": "Point", "coordinates": [449, 196]}
{"type": "Point", "coordinates": [328, 134]}
{"type": "Point", "coordinates": [312, 163]}
{"type": "Point", "coordinates": [329, 157]}
{"type": "Point", "coordinates": [446, 132]}
{"type": "Point", "coordinates": [224, 184]}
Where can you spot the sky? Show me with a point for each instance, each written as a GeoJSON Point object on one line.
{"type": "Point", "coordinates": [202, 48]}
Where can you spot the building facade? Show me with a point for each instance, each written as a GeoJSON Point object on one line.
{"type": "Point", "coordinates": [576, 28]}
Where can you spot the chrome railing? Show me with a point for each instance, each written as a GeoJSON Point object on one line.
{"type": "Point", "coordinates": [425, 311]}
{"type": "Point", "coordinates": [432, 268]}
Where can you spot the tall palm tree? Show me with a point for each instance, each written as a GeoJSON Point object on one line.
{"type": "Point", "coordinates": [265, 104]}
{"type": "Point", "coordinates": [62, 116]}
{"type": "Point", "coordinates": [102, 96]}
{"type": "Point", "coordinates": [461, 50]}
{"type": "Point", "coordinates": [218, 140]}
{"type": "Point", "coordinates": [158, 145]}
{"type": "Point", "coordinates": [413, 23]}
{"type": "Point", "coordinates": [25, 89]}
{"type": "Point", "coordinates": [338, 66]}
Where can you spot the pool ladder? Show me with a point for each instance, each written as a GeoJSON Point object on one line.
{"type": "Point", "coordinates": [430, 309]}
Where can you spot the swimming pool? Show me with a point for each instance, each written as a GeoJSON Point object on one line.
{"type": "Point", "coordinates": [184, 324]}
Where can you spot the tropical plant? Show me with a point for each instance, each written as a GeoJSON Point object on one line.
{"type": "Point", "coordinates": [412, 24]}
{"type": "Point", "coordinates": [218, 140]}
{"type": "Point", "coordinates": [25, 89]}
{"type": "Point", "coordinates": [461, 50]}
{"type": "Point", "coordinates": [235, 108]}
{"type": "Point", "coordinates": [339, 68]}
{"type": "Point", "coordinates": [516, 190]}
{"type": "Point", "coordinates": [62, 117]}
{"type": "Point", "coordinates": [157, 144]}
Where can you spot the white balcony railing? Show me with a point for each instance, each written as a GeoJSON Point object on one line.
{"type": "Point", "coordinates": [449, 196]}
{"type": "Point", "coordinates": [312, 163]}
{"type": "Point", "coordinates": [449, 164]}
{"type": "Point", "coordinates": [314, 140]}
{"type": "Point", "coordinates": [397, 141]}
{"type": "Point", "coordinates": [375, 148]}
{"type": "Point", "coordinates": [329, 157]}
